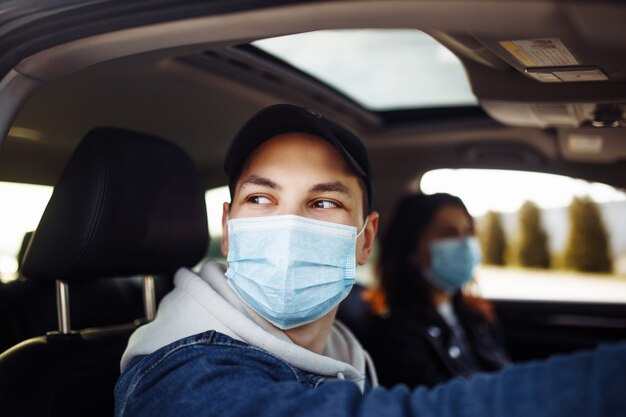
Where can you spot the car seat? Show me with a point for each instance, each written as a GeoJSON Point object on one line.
{"type": "Point", "coordinates": [355, 312]}
{"type": "Point", "coordinates": [126, 204]}
{"type": "Point", "coordinates": [28, 306]}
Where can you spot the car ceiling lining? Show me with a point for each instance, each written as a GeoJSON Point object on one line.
{"type": "Point", "coordinates": [195, 35]}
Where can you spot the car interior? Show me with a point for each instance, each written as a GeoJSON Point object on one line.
{"type": "Point", "coordinates": [127, 109]}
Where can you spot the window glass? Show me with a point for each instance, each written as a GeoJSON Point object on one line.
{"type": "Point", "coordinates": [215, 199]}
{"type": "Point", "coordinates": [582, 256]}
{"type": "Point", "coordinates": [20, 211]}
{"type": "Point", "coordinates": [379, 69]}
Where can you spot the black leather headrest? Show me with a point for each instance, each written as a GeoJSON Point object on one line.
{"type": "Point", "coordinates": [126, 204]}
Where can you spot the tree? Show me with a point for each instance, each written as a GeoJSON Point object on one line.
{"type": "Point", "coordinates": [533, 241]}
{"type": "Point", "coordinates": [587, 247]}
{"type": "Point", "coordinates": [493, 240]}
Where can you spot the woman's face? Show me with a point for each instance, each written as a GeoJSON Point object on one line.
{"type": "Point", "coordinates": [448, 222]}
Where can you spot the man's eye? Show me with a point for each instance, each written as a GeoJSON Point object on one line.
{"type": "Point", "coordinates": [259, 199]}
{"type": "Point", "coordinates": [325, 204]}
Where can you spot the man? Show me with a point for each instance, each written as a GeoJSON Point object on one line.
{"type": "Point", "coordinates": [260, 338]}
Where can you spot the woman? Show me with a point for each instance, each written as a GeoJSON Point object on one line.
{"type": "Point", "coordinates": [425, 329]}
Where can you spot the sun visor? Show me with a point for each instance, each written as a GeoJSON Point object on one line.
{"type": "Point", "coordinates": [554, 60]}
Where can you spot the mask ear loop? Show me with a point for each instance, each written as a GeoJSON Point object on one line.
{"type": "Point", "coordinates": [362, 228]}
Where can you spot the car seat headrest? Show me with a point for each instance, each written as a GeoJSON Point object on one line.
{"type": "Point", "coordinates": [125, 204]}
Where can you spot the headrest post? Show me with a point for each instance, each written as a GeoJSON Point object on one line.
{"type": "Point", "coordinates": [149, 297]}
{"type": "Point", "coordinates": [63, 307]}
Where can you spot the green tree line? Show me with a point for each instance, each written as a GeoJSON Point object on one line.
{"type": "Point", "coordinates": [587, 247]}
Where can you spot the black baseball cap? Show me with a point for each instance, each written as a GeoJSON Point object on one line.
{"type": "Point", "coordinates": [286, 118]}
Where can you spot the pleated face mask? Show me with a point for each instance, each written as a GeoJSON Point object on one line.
{"type": "Point", "coordinates": [453, 261]}
{"type": "Point", "coordinates": [291, 270]}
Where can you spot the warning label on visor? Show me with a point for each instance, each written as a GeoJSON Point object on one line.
{"type": "Point", "coordinates": [549, 52]}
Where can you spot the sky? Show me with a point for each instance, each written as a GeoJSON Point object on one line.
{"type": "Point", "coordinates": [505, 191]}
{"type": "Point", "coordinates": [21, 207]}
{"type": "Point", "coordinates": [381, 69]}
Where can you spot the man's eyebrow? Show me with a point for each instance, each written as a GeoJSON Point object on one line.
{"type": "Point", "coordinates": [262, 181]}
{"type": "Point", "coordinates": [336, 187]}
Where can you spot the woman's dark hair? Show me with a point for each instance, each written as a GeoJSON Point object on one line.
{"type": "Point", "coordinates": [402, 283]}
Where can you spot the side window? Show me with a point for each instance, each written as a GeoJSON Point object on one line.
{"type": "Point", "coordinates": [544, 237]}
{"type": "Point", "coordinates": [20, 211]}
{"type": "Point", "coordinates": [215, 198]}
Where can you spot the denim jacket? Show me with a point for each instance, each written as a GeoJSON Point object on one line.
{"type": "Point", "coordinates": [211, 374]}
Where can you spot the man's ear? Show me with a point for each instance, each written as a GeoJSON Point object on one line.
{"type": "Point", "coordinates": [369, 237]}
{"type": "Point", "coordinates": [224, 246]}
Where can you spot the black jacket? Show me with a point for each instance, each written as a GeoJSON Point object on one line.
{"type": "Point", "coordinates": [417, 348]}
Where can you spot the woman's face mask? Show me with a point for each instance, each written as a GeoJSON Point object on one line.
{"type": "Point", "coordinates": [452, 262]}
{"type": "Point", "coordinates": [448, 252]}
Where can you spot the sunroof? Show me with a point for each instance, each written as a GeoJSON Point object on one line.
{"type": "Point", "coordinates": [379, 69]}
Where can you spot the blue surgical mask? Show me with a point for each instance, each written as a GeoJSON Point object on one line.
{"type": "Point", "coordinates": [452, 262]}
{"type": "Point", "coordinates": [291, 270]}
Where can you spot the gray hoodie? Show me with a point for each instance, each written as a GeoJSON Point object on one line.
{"type": "Point", "coordinates": [205, 301]}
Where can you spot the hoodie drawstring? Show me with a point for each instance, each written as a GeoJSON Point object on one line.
{"type": "Point", "coordinates": [370, 369]}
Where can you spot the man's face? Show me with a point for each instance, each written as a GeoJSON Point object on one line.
{"type": "Point", "coordinates": [303, 175]}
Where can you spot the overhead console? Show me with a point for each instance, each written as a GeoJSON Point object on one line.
{"type": "Point", "coordinates": [563, 67]}
{"type": "Point", "coordinates": [594, 74]}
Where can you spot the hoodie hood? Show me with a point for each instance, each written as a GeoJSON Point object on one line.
{"type": "Point", "coordinates": [205, 301]}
